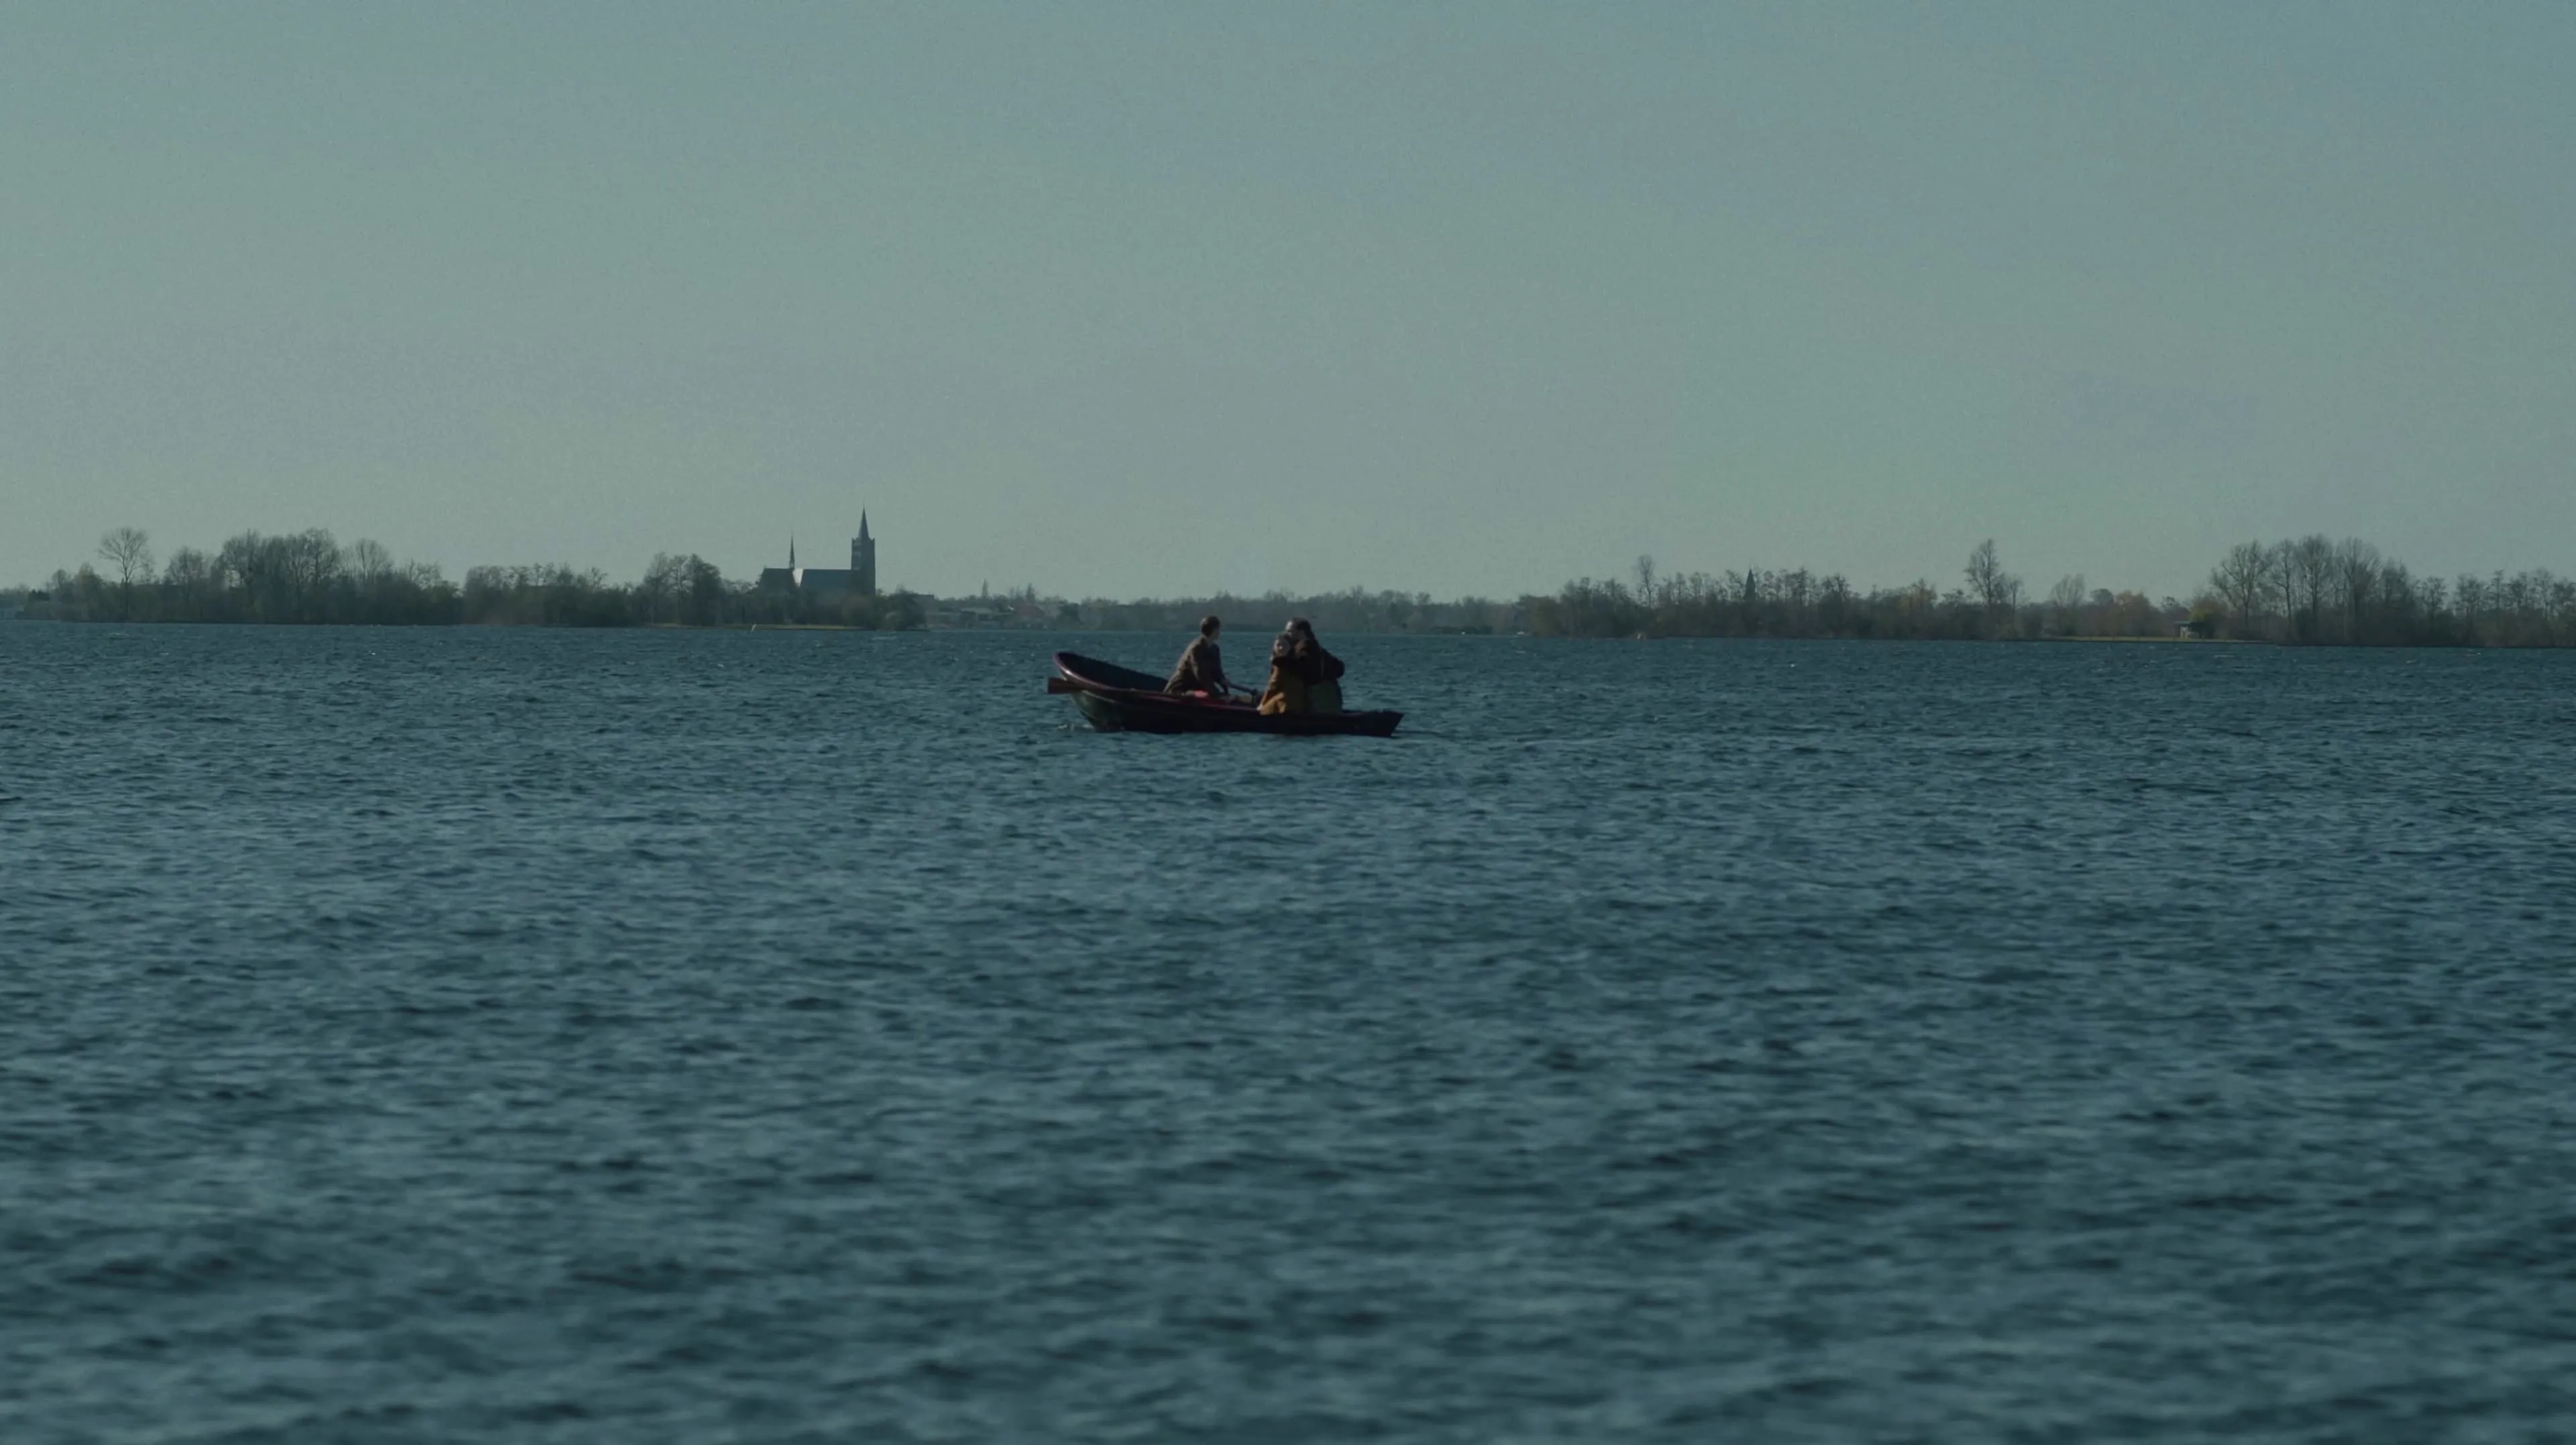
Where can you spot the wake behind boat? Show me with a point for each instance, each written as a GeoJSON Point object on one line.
{"type": "Point", "coordinates": [1117, 699]}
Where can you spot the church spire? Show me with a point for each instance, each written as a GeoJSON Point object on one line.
{"type": "Point", "coordinates": [791, 551]}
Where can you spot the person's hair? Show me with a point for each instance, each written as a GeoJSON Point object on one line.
{"type": "Point", "coordinates": [1208, 625]}
{"type": "Point", "coordinates": [1300, 624]}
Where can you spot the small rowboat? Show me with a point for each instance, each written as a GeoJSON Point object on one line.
{"type": "Point", "coordinates": [1121, 700]}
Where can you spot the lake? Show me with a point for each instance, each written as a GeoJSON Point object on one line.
{"type": "Point", "coordinates": [536, 1036]}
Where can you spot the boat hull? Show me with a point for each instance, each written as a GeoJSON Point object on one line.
{"type": "Point", "coordinates": [1114, 699]}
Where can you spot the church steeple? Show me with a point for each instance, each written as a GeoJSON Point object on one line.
{"type": "Point", "coordinates": [863, 558]}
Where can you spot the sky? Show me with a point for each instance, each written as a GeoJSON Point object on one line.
{"type": "Point", "coordinates": [1160, 299]}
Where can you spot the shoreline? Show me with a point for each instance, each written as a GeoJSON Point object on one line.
{"type": "Point", "coordinates": [1149, 632]}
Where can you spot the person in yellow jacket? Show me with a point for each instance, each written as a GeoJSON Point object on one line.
{"type": "Point", "coordinates": [1304, 678]}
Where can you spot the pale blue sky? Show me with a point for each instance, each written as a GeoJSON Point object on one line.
{"type": "Point", "coordinates": [1136, 299]}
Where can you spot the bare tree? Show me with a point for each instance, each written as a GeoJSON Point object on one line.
{"type": "Point", "coordinates": [2281, 585]}
{"type": "Point", "coordinates": [1994, 588]}
{"type": "Point", "coordinates": [2356, 568]}
{"type": "Point", "coordinates": [2471, 590]}
{"type": "Point", "coordinates": [130, 552]}
{"type": "Point", "coordinates": [2400, 605]}
{"type": "Point", "coordinates": [2310, 579]}
{"type": "Point", "coordinates": [313, 568]}
{"type": "Point", "coordinates": [1798, 590]}
{"type": "Point", "coordinates": [666, 585]}
{"type": "Point", "coordinates": [2513, 596]}
{"type": "Point", "coordinates": [2243, 580]}
{"type": "Point", "coordinates": [706, 591]}
{"type": "Point", "coordinates": [2066, 604]}
{"type": "Point", "coordinates": [370, 563]}
{"type": "Point", "coordinates": [188, 569]}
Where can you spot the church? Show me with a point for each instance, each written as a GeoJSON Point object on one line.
{"type": "Point", "coordinates": [861, 578]}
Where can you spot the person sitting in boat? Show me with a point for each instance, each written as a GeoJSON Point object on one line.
{"type": "Point", "coordinates": [1201, 669]}
{"type": "Point", "coordinates": [1304, 678]}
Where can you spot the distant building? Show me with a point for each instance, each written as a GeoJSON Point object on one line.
{"type": "Point", "coordinates": [985, 611]}
{"type": "Point", "coordinates": [860, 578]}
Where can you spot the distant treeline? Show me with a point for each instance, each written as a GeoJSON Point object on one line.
{"type": "Point", "coordinates": [1751, 603]}
{"type": "Point", "coordinates": [1759, 602]}
{"type": "Point", "coordinates": [2319, 591]}
{"type": "Point", "coordinates": [1356, 610]}
{"type": "Point", "coordinates": [309, 577]}
{"type": "Point", "coordinates": [2312, 591]}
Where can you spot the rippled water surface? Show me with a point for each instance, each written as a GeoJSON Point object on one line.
{"type": "Point", "coordinates": [520, 1036]}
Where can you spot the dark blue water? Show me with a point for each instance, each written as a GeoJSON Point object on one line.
{"type": "Point", "coordinates": [521, 1036]}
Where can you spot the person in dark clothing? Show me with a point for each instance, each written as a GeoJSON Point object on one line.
{"type": "Point", "coordinates": [1201, 669]}
{"type": "Point", "coordinates": [1303, 676]}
